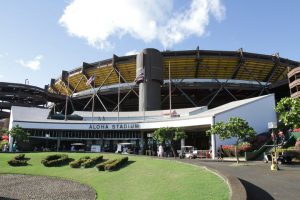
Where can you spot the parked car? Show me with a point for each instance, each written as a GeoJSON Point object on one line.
{"type": "Point", "coordinates": [187, 152]}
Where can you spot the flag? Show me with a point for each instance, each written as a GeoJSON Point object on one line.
{"type": "Point", "coordinates": [91, 79]}
{"type": "Point", "coordinates": [140, 77]}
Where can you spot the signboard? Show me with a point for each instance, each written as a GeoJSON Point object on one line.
{"type": "Point", "coordinates": [95, 148]}
{"type": "Point", "coordinates": [127, 126]}
{"type": "Point", "coordinates": [272, 125]}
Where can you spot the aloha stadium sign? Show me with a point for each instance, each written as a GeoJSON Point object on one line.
{"type": "Point", "coordinates": [126, 126]}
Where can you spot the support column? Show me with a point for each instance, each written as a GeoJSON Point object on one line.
{"type": "Point", "coordinates": [149, 76]}
{"type": "Point", "coordinates": [142, 142]}
{"type": "Point", "coordinates": [213, 146]}
{"type": "Point", "coordinates": [58, 144]}
{"type": "Point", "coordinates": [10, 141]}
{"type": "Point", "coordinates": [182, 142]}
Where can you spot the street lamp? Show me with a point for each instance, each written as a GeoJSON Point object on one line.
{"type": "Point", "coordinates": [272, 126]}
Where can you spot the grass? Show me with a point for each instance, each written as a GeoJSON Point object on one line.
{"type": "Point", "coordinates": [144, 178]}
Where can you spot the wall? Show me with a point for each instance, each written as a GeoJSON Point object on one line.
{"type": "Point", "coordinates": [257, 114]}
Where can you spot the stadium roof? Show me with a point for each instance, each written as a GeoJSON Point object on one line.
{"type": "Point", "coordinates": [191, 64]}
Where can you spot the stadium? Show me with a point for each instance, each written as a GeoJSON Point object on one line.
{"type": "Point", "coordinates": [124, 99]}
{"type": "Point", "coordinates": [198, 78]}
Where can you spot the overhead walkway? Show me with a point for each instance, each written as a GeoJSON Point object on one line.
{"type": "Point", "coordinates": [16, 94]}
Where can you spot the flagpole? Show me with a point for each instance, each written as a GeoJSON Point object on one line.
{"type": "Point", "coordinates": [119, 95]}
{"type": "Point", "coordinates": [170, 92]}
{"type": "Point", "coordinates": [145, 94]}
{"type": "Point", "coordinates": [67, 96]}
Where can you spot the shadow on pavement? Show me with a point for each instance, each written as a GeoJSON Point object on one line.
{"type": "Point", "coordinates": [254, 192]}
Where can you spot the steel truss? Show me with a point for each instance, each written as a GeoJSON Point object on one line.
{"type": "Point", "coordinates": [216, 88]}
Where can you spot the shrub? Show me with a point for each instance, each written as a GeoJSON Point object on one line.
{"type": "Point", "coordinates": [77, 163]}
{"type": "Point", "coordinates": [20, 157]}
{"type": "Point", "coordinates": [228, 150]}
{"type": "Point", "coordinates": [101, 167]}
{"type": "Point", "coordinates": [244, 147]}
{"type": "Point", "coordinates": [115, 165]}
{"type": "Point", "coordinates": [84, 158]}
{"type": "Point", "coordinates": [91, 162]}
{"type": "Point", "coordinates": [55, 160]}
{"type": "Point", "coordinates": [18, 160]}
{"type": "Point", "coordinates": [15, 162]}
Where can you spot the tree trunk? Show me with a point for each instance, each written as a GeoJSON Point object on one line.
{"type": "Point", "coordinates": [172, 148]}
{"type": "Point", "coordinates": [236, 153]}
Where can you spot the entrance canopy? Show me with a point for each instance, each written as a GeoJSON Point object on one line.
{"type": "Point", "coordinates": [257, 111]}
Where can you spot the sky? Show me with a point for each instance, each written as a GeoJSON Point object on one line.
{"type": "Point", "coordinates": [39, 39]}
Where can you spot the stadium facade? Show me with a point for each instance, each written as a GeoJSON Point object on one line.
{"type": "Point", "coordinates": [127, 98]}
{"type": "Point", "coordinates": [198, 78]}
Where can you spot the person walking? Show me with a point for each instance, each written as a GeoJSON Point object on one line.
{"type": "Point", "coordinates": [160, 151]}
{"type": "Point", "coordinates": [14, 147]}
{"type": "Point", "coordinates": [220, 153]}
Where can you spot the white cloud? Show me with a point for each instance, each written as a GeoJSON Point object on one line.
{"type": "Point", "coordinates": [3, 55]}
{"type": "Point", "coordinates": [132, 52]}
{"type": "Point", "coordinates": [1, 76]}
{"type": "Point", "coordinates": [97, 21]}
{"type": "Point", "coordinates": [33, 64]}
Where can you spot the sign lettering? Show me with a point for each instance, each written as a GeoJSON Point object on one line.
{"type": "Point", "coordinates": [114, 126]}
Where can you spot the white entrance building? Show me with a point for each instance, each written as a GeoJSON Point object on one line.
{"type": "Point", "coordinates": [121, 126]}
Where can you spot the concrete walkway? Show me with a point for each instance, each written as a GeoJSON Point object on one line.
{"type": "Point", "coordinates": [258, 179]}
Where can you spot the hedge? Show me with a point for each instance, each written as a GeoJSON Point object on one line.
{"type": "Point", "coordinates": [18, 160]}
{"type": "Point", "coordinates": [91, 162]}
{"type": "Point", "coordinates": [118, 163]}
{"type": "Point", "coordinates": [112, 164]}
{"type": "Point", "coordinates": [20, 156]}
{"type": "Point", "coordinates": [14, 162]}
{"type": "Point", "coordinates": [55, 160]}
{"type": "Point", "coordinates": [77, 163]}
{"type": "Point", "coordinates": [101, 166]}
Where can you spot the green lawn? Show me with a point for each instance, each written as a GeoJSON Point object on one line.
{"type": "Point", "coordinates": [143, 178]}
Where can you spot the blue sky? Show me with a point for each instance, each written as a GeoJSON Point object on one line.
{"type": "Point", "coordinates": [39, 39]}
